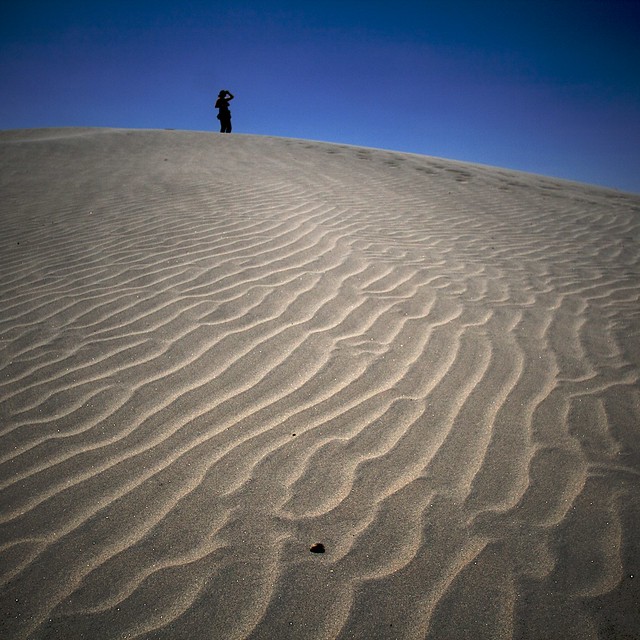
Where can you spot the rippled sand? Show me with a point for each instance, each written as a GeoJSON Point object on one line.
{"type": "Point", "coordinates": [217, 351]}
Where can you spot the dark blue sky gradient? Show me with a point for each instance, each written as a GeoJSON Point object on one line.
{"type": "Point", "coordinates": [551, 87]}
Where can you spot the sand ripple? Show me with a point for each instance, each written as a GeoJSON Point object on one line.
{"type": "Point", "coordinates": [217, 351]}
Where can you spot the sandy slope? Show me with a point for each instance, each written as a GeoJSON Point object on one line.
{"type": "Point", "coordinates": [216, 351]}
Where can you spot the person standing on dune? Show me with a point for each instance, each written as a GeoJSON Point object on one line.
{"type": "Point", "coordinates": [224, 115]}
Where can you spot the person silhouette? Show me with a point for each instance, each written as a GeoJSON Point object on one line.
{"type": "Point", "coordinates": [224, 115]}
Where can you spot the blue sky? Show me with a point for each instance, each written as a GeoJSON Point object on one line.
{"type": "Point", "coordinates": [550, 87]}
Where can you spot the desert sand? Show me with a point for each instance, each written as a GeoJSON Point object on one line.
{"type": "Point", "coordinates": [218, 351]}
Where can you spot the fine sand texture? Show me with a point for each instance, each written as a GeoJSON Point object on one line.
{"type": "Point", "coordinates": [218, 351]}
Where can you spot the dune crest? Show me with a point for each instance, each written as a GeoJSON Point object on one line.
{"type": "Point", "coordinates": [217, 352]}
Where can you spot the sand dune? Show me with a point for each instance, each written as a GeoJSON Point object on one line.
{"type": "Point", "coordinates": [216, 351]}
